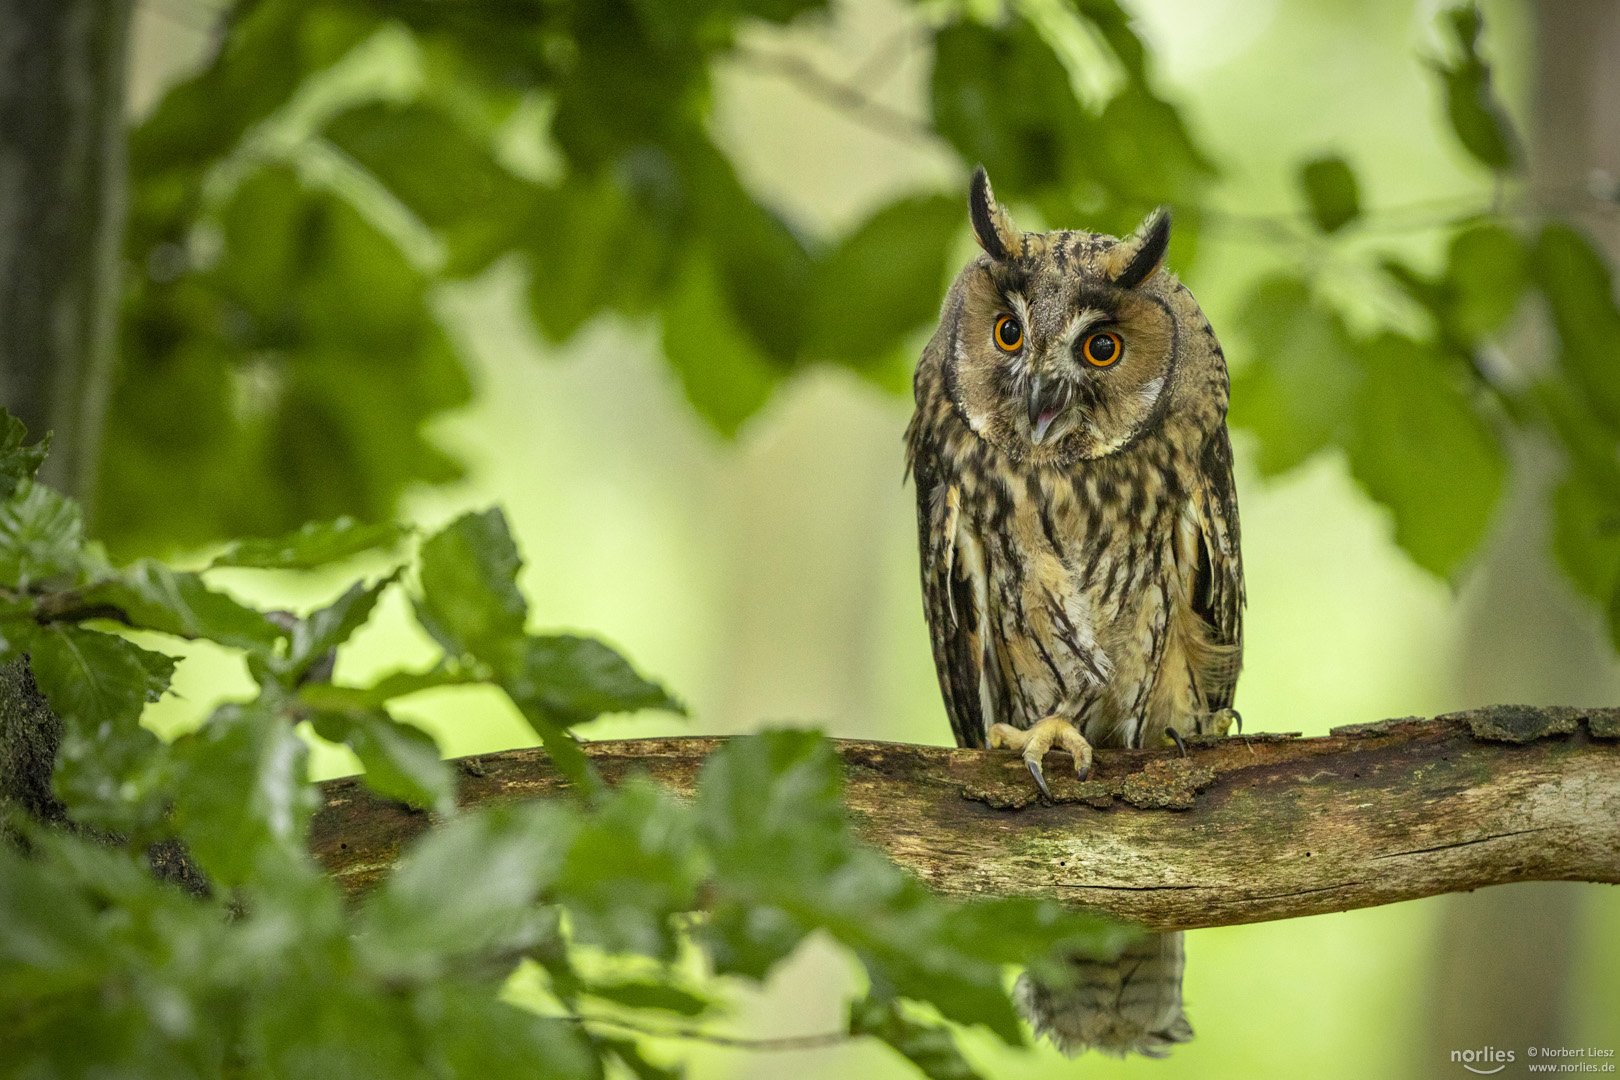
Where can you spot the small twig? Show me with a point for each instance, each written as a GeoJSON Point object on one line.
{"type": "Point", "coordinates": [848, 99]}
{"type": "Point", "coordinates": [884, 60]}
{"type": "Point", "coordinates": [782, 1042]}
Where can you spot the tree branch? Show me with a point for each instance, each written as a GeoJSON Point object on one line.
{"type": "Point", "coordinates": [1243, 829]}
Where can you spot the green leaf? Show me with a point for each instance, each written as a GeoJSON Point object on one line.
{"type": "Point", "coordinates": [95, 678]}
{"type": "Point", "coordinates": [448, 178]}
{"type": "Point", "coordinates": [325, 1022]}
{"type": "Point", "coordinates": [1477, 117]}
{"type": "Point", "coordinates": [472, 1035]}
{"type": "Point", "coordinates": [904, 935]}
{"type": "Point", "coordinates": [1576, 282]}
{"type": "Point", "coordinates": [50, 942]}
{"type": "Point", "coordinates": [41, 537]}
{"type": "Point", "coordinates": [109, 768]}
{"type": "Point", "coordinates": [573, 680]}
{"type": "Point", "coordinates": [785, 862]}
{"type": "Point", "coordinates": [324, 630]}
{"type": "Point", "coordinates": [1017, 930]}
{"type": "Point", "coordinates": [629, 1055]}
{"type": "Point", "coordinates": [1301, 377]}
{"type": "Point", "coordinates": [470, 601]}
{"type": "Point", "coordinates": [770, 814]}
{"type": "Point", "coordinates": [469, 889]}
{"type": "Point", "coordinates": [1420, 448]}
{"type": "Point", "coordinates": [18, 463]}
{"type": "Point", "coordinates": [591, 244]}
{"type": "Point", "coordinates": [295, 373]}
{"type": "Point", "coordinates": [929, 1047]}
{"type": "Point", "coordinates": [640, 994]}
{"type": "Point", "coordinates": [725, 372]}
{"type": "Point", "coordinates": [314, 544]}
{"type": "Point", "coordinates": [1586, 537]}
{"type": "Point", "coordinates": [1114, 24]}
{"type": "Point", "coordinates": [325, 696]}
{"type": "Point", "coordinates": [1148, 158]}
{"type": "Point", "coordinates": [1586, 504]}
{"type": "Point", "coordinates": [883, 281]}
{"type": "Point", "coordinates": [266, 56]}
{"type": "Point", "coordinates": [243, 800]}
{"type": "Point", "coordinates": [770, 810]}
{"type": "Point", "coordinates": [1002, 98]}
{"type": "Point", "coordinates": [154, 597]}
{"type": "Point", "coordinates": [764, 271]}
{"type": "Point", "coordinates": [402, 761]}
{"type": "Point", "coordinates": [1487, 271]}
{"type": "Point", "coordinates": [632, 868]}
{"type": "Point", "coordinates": [1331, 188]}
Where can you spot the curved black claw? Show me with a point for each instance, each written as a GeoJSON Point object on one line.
{"type": "Point", "coordinates": [1175, 737]}
{"type": "Point", "coordinates": [1081, 772]}
{"type": "Point", "coordinates": [1040, 778]}
{"type": "Point", "coordinates": [1237, 718]}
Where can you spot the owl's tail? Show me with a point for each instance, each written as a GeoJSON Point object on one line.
{"type": "Point", "coordinates": [1132, 1004]}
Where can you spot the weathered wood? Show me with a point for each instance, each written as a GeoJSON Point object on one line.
{"type": "Point", "coordinates": [1273, 826]}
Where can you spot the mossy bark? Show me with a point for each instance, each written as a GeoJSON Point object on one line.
{"type": "Point", "coordinates": [1272, 827]}
{"type": "Point", "coordinates": [29, 735]}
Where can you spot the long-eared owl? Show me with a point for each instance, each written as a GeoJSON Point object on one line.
{"type": "Point", "coordinates": [1079, 538]}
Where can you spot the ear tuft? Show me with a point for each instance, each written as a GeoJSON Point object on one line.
{"type": "Point", "coordinates": [1142, 253]}
{"type": "Point", "coordinates": [992, 228]}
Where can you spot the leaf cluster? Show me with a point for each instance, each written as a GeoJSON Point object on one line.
{"type": "Point", "coordinates": [1423, 418]}
{"type": "Point", "coordinates": [297, 199]}
{"type": "Point", "coordinates": [108, 965]}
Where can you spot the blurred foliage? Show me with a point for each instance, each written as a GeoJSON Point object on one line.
{"type": "Point", "coordinates": [1330, 188]}
{"type": "Point", "coordinates": [261, 969]}
{"type": "Point", "coordinates": [289, 218]}
{"type": "Point", "coordinates": [294, 205]}
{"type": "Point", "coordinates": [1423, 418]}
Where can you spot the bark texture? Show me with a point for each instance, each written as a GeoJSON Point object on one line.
{"type": "Point", "coordinates": [63, 177]}
{"type": "Point", "coordinates": [1241, 830]}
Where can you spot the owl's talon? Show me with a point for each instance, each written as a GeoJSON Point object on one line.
{"type": "Point", "coordinates": [1038, 739]}
{"type": "Point", "coordinates": [1040, 777]}
{"type": "Point", "coordinates": [1175, 736]}
{"type": "Point", "coordinates": [1220, 722]}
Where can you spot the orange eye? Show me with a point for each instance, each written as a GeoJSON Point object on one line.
{"type": "Point", "coordinates": [1102, 349]}
{"type": "Point", "coordinates": [1009, 335]}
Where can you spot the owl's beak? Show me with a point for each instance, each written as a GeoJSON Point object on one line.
{"type": "Point", "coordinates": [1045, 401]}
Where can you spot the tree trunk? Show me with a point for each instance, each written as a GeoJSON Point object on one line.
{"type": "Point", "coordinates": [63, 177]}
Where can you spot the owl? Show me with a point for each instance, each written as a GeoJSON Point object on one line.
{"type": "Point", "coordinates": [1079, 539]}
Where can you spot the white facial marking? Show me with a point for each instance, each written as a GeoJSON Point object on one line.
{"type": "Point", "coordinates": [1078, 324]}
{"type": "Point", "coordinates": [1020, 308]}
{"type": "Point", "coordinates": [978, 421]}
{"type": "Point", "coordinates": [1150, 392]}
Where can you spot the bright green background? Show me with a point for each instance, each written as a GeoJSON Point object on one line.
{"type": "Point", "coordinates": [774, 578]}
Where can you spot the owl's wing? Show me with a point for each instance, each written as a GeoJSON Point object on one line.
{"type": "Point", "coordinates": [1218, 586]}
{"type": "Point", "coordinates": [953, 581]}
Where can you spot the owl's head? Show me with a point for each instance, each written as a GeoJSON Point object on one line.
{"type": "Point", "coordinates": [1064, 343]}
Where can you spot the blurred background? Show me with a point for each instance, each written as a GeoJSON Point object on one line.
{"type": "Point", "coordinates": [760, 559]}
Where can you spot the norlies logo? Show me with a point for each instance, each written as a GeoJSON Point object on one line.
{"type": "Point", "coordinates": [1480, 1061]}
